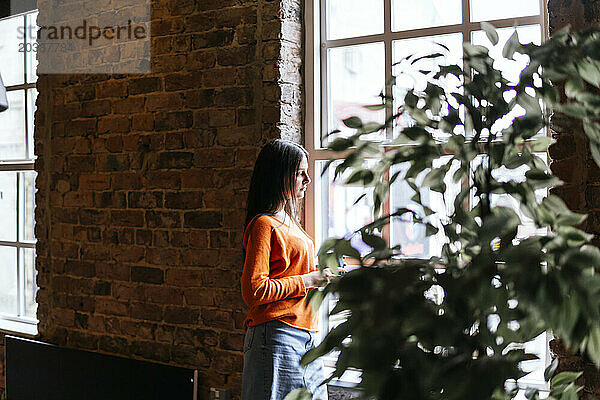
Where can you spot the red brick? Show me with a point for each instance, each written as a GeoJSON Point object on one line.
{"type": "Point", "coordinates": [219, 239]}
{"type": "Point", "coordinates": [142, 122]}
{"type": "Point", "coordinates": [232, 341]}
{"type": "Point", "coordinates": [162, 256]}
{"type": "Point", "coordinates": [183, 200]}
{"type": "Point", "coordinates": [163, 219]}
{"type": "Point", "coordinates": [111, 307]}
{"type": "Point", "coordinates": [181, 315]}
{"type": "Point", "coordinates": [111, 89]}
{"type": "Point", "coordinates": [183, 81]}
{"type": "Point", "coordinates": [148, 312]}
{"type": "Point", "coordinates": [113, 162]}
{"type": "Point", "coordinates": [200, 257]}
{"type": "Point", "coordinates": [95, 108]}
{"type": "Point", "coordinates": [145, 199]}
{"type": "Point", "coordinates": [162, 180]}
{"type": "Point", "coordinates": [164, 295]}
{"type": "Point", "coordinates": [200, 297]}
{"type": "Point", "coordinates": [128, 254]}
{"type": "Point", "coordinates": [147, 275]}
{"type": "Point", "coordinates": [77, 199]}
{"type": "Point", "coordinates": [217, 319]}
{"type": "Point", "coordinates": [113, 124]}
{"type": "Point", "coordinates": [141, 330]}
{"type": "Point", "coordinates": [113, 344]}
{"type": "Point", "coordinates": [144, 85]}
{"type": "Point", "coordinates": [215, 78]}
{"type": "Point", "coordinates": [94, 182]}
{"type": "Point", "coordinates": [110, 199]}
{"type": "Point", "coordinates": [81, 163]}
{"type": "Point", "coordinates": [151, 350]}
{"type": "Point", "coordinates": [82, 340]}
{"type": "Point", "coordinates": [173, 120]}
{"type": "Point", "coordinates": [129, 105]}
{"type": "Point", "coordinates": [197, 178]}
{"type": "Point", "coordinates": [173, 141]}
{"type": "Point", "coordinates": [236, 55]}
{"type": "Point", "coordinates": [126, 181]}
{"type": "Point", "coordinates": [114, 144]}
{"type": "Point", "coordinates": [216, 38]}
{"type": "Point", "coordinates": [202, 219]}
{"type": "Point", "coordinates": [127, 218]}
{"type": "Point", "coordinates": [184, 277]}
{"type": "Point", "coordinates": [198, 98]}
{"type": "Point", "coordinates": [161, 238]}
{"type": "Point", "coordinates": [198, 238]}
{"type": "Point", "coordinates": [163, 101]}
{"type": "Point", "coordinates": [78, 268]}
{"type": "Point", "coordinates": [112, 271]}
{"type": "Point", "coordinates": [202, 59]}
{"type": "Point", "coordinates": [80, 303]}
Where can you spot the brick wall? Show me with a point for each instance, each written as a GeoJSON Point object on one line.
{"type": "Point", "coordinates": [572, 162]}
{"type": "Point", "coordinates": [142, 182]}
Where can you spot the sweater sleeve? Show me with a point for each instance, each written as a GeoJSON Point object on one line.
{"type": "Point", "coordinates": [257, 287]}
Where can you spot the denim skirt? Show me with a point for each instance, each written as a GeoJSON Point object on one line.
{"type": "Point", "coordinates": [272, 353]}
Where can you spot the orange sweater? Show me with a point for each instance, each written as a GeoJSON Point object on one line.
{"type": "Point", "coordinates": [276, 256]}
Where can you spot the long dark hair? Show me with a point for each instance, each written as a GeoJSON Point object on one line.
{"type": "Point", "coordinates": [274, 178]}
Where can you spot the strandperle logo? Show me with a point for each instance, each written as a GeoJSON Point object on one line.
{"type": "Point", "coordinates": [84, 31]}
{"type": "Point", "coordinates": [88, 36]}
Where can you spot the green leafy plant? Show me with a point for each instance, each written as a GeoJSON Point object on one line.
{"type": "Point", "coordinates": [495, 291]}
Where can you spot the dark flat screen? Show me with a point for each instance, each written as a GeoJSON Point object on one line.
{"type": "Point", "coordinates": [40, 371]}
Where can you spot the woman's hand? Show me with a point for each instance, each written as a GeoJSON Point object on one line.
{"type": "Point", "coordinates": [317, 278]}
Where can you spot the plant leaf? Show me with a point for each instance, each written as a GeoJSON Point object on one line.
{"type": "Point", "coordinates": [565, 378]}
{"type": "Point", "coordinates": [512, 44]}
{"type": "Point", "coordinates": [352, 122]}
{"type": "Point", "coordinates": [299, 394]}
{"type": "Point", "coordinates": [593, 345]}
{"type": "Point", "coordinates": [490, 32]}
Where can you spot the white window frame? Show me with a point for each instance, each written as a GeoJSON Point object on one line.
{"type": "Point", "coordinates": [20, 323]}
{"type": "Point", "coordinates": [315, 67]}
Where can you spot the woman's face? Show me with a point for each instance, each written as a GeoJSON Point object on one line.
{"type": "Point", "coordinates": [302, 179]}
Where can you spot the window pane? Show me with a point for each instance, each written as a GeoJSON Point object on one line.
{"type": "Point", "coordinates": [539, 347]}
{"type": "Point", "coordinates": [12, 65]}
{"type": "Point", "coordinates": [31, 108]}
{"type": "Point", "coordinates": [8, 280]}
{"type": "Point", "coordinates": [31, 37]}
{"type": "Point", "coordinates": [356, 77]}
{"type": "Point", "coordinates": [527, 227]}
{"type": "Point", "coordinates": [28, 266]}
{"type": "Point", "coordinates": [411, 235]}
{"type": "Point", "coordinates": [510, 69]}
{"type": "Point", "coordinates": [407, 76]}
{"type": "Point", "coordinates": [27, 199]}
{"type": "Point", "coordinates": [485, 10]}
{"type": "Point", "coordinates": [408, 14]}
{"type": "Point", "coordinates": [337, 215]}
{"type": "Point", "coordinates": [8, 206]}
{"type": "Point", "coordinates": [351, 18]}
{"type": "Point", "coordinates": [12, 127]}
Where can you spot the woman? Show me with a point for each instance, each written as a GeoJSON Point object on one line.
{"type": "Point", "coordinates": [279, 269]}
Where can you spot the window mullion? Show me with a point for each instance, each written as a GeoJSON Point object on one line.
{"type": "Point", "coordinates": [466, 15]}
{"type": "Point", "coordinates": [324, 126]}
{"type": "Point", "coordinates": [387, 40]}
{"type": "Point", "coordinates": [20, 280]}
{"type": "Point", "coordinates": [25, 52]}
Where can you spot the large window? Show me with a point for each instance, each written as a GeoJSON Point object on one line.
{"type": "Point", "coordinates": [17, 177]}
{"type": "Point", "coordinates": [353, 47]}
